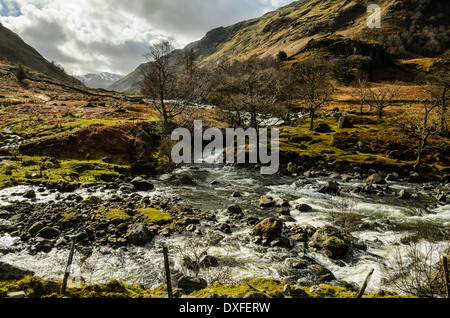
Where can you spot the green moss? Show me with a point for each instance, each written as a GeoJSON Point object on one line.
{"type": "Point", "coordinates": [155, 216]}
{"type": "Point", "coordinates": [27, 169]}
{"type": "Point", "coordinates": [114, 213]}
{"type": "Point", "coordinates": [328, 291]}
{"type": "Point", "coordinates": [40, 128]}
{"type": "Point", "coordinates": [238, 290]}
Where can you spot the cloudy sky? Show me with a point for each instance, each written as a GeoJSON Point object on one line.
{"type": "Point", "coordinates": [86, 36]}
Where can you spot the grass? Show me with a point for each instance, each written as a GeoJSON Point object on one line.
{"type": "Point", "coordinates": [339, 145]}
{"type": "Point", "coordinates": [41, 128]}
{"type": "Point", "coordinates": [20, 170]}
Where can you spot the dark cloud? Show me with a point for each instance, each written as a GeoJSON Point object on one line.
{"type": "Point", "coordinates": [89, 36]}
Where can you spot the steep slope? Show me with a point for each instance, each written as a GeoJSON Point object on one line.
{"type": "Point", "coordinates": [101, 80]}
{"type": "Point", "coordinates": [131, 83]}
{"type": "Point", "coordinates": [15, 50]}
{"type": "Point", "coordinates": [409, 29]}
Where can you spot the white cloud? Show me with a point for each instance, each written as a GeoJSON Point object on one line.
{"type": "Point", "coordinates": [112, 35]}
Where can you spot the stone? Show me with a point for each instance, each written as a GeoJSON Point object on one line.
{"type": "Point", "coordinates": [9, 272]}
{"type": "Point", "coordinates": [30, 194]}
{"type": "Point", "coordinates": [142, 185]}
{"type": "Point", "coordinates": [138, 234]}
{"type": "Point", "coordinates": [269, 229]}
{"type": "Point", "coordinates": [256, 295]}
{"type": "Point", "coordinates": [344, 122]}
{"type": "Point", "coordinates": [303, 208]}
{"type": "Point", "coordinates": [331, 239]}
{"type": "Point", "coordinates": [208, 261]}
{"type": "Point", "coordinates": [191, 284]}
{"type": "Point", "coordinates": [376, 178]}
{"type": "Point", "coordinates": [17, 295]}
{"type": "Point", "coordinates": [36, 227]}
{"type": "Point", "coordinates": [266, 201]}
{"type": "Point", "coordinates": [234, 209]}
{"type": "Point", "coordinates": [331, 187]}
{"type": "Point", "coordinates": [404, 195]}
{"type": "Point", "coordinates": [48, 232]}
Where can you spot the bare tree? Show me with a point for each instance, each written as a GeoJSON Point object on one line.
{"type": "Point", "coordinates": [438, 85]}
{"type": "Point", "coordinates": [159, 82]}
{"type": "Point", "coordinates": [380, 98]}
{"type": "Point", "coordinates": [361, 89]}
{"type": "Point", "coordinates": [172, 81]}
{"type": "Point", "coordinates": [315, 87]}
{"type": "Point", "coordinates": [421, 129]}
{"type": "Point", "coordinates": [249, 91]}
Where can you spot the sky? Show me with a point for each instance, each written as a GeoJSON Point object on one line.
{"type": "Point", "coordinates": [93, 36]}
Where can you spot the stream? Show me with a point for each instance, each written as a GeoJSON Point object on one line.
{"type": "Point", "coordinates": [210, 187]}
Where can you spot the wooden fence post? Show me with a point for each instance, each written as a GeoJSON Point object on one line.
{"type": "Point", "coordinates": [69, 264]}
{"type": "Point", "coordinates": [167, 267]}
{"type": "Point", "coordinates": [364, 286]}
{"type": "Point", "coordinates": [446, 275]}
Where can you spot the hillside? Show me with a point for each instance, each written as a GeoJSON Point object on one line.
{"type": "Point", "coordinates": [410, 29]}
{"type": "Point", "coordinates": [15, 50]}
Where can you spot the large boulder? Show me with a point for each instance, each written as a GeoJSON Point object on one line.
{"type": "Point", "coordinates": [191, 284]}
{"type": "Point", "coordinates": [48, 232]}
{"type": "Point", "coordinates": [332, 241]}
{"type": "Point", "coordinates": [344, 122]}
{"type": "Point", "coordinates": [138, 234]}
{"type": "Point", "coordinates": [268, 229]}
{"type": "Point", "coordinates": [331, 188]}
{"type": "Point", "coordinates": [142, 185]}
{"type": "Point", "coordinates": [9, 272]}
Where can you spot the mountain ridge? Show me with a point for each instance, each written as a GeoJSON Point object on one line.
{"type": "Point", "coordinates": [16, 51]}
{"type": "Point", "coordinates": [291, 29]}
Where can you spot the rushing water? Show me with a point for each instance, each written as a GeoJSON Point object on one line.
{"type": "Point", "coordinates": [209, 188]}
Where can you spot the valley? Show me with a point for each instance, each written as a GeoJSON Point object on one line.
{"type": "Point", "coordinates": [364, 186]}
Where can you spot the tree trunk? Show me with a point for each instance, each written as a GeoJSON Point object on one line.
{"type": "Point", "coordinates": [444, 110]}
{"type": "Point", "coordinates": [311, 126]}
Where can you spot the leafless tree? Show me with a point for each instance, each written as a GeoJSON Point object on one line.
{"type": "Point", "coordinates": [421, 129]}
{"type": "Point", "coordinates": [361, 89]}
{"type": "Point", "coordinates": [249, 91]}
{"type": "Point", "coordinates": [438, 85]}
{"type": "Point", "coordinates": [159, 81]}
{"type": "Point", "coordinates": [381, 97]}
{"type": "Point", "coordinates": [172, 80]}
{"type": "Point", "coordinates": [314, 85]}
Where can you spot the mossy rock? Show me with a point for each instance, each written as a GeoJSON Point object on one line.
{"type": "Point", "coordinates": [154, 216]}
{"type": "Point", "coordinates": [331, 240]}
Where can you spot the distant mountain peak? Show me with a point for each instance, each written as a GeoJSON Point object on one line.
{"type": "Point", "coordinates": [99, 80]}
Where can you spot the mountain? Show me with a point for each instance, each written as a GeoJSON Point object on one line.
{"type": "Point", "coordinates": [16, 51]}
{"type": "Point", "coordinates": [131, 83]}
{"type": "Point", "coordinates": [101, 80]}
{"type": "Point", "coordinates": [409, 29]}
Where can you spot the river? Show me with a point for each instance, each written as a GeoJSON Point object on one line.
{"type": "Point", "coordinates": [210, 187]}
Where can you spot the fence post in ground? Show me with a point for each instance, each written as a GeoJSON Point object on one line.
{"type": "Point", "coordinates": [446, 275]}
{"type": "Point", "coordinates": [167, 267]}
{"type": "Point", "coordinates": [364, 286]}
{"type": "Point", "coordinates": [69, 265]}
